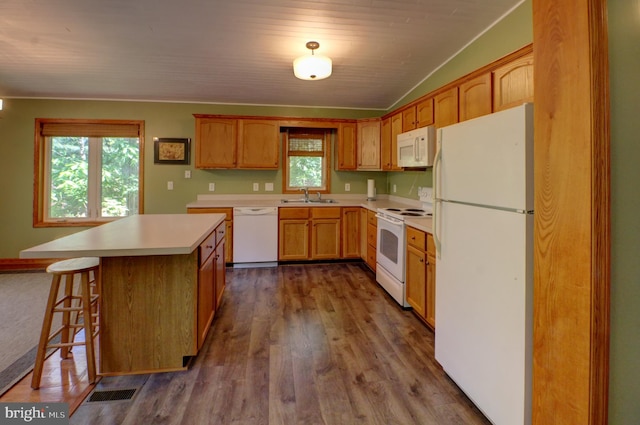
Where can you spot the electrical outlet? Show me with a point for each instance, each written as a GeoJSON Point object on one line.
{"type": "Point", "coordinates": [347, 187]}
{"type": "Point", "coordinates": [268, 187]}
{"type": "Point", "coordinates": [394, 188]}
{"type": "Point", "coordinates": [256, 187]}
{"type": "Point", "coordinates": [187, 174]}
{"type": "Point", "coordinates": [169, 185]}
{"type": "Point", "coordinates": [212, 187]}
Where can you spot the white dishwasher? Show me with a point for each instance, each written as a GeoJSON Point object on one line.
{"type": "Point", "coordinates": [255, 236]}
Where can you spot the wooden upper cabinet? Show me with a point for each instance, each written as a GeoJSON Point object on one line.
{"type": "Point", "coordinates": [396, 128]}
{"type": "Point", "coordinates": [446, 108]}
{"type": "Point", "coordinates": [215, 143]}
{"type": "Point", "coordinates": [385, 144]}
{"type": "Point", "coordinates": [409, 119]}
{"type": "Point", "coordinates": [475, 97]}
{"type": "Point", "coordinates": [258, 144]}
{"type": "Point", "coordinates": [346, 146]}
{"type": "Point", "coordinates": [513, 83]}
{"type": "Point", "coordinates": [424, 113]}
{"type": "Point", "coordinates": [369, 145]}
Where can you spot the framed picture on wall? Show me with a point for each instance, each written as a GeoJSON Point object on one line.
{"type": "Point", "coordinates": [171, 150]}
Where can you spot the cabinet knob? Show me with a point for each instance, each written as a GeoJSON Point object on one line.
{"type": "Point", "coordinates": [208, 246]}
{"type": "Point", "coordinates": [422, 260]}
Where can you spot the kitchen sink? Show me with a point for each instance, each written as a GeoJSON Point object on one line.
{"type": "Point", "coordinates": [322, 201]}
{"type": "Point", "coordinates": [308, 201]}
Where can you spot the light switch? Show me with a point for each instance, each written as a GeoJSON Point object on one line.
{"type": "Point", "coordinates": [268, 187]}
{"type": "Point", "coordinates": [187, 174]}
{"type": "Point", "coordinates": [169, 185]}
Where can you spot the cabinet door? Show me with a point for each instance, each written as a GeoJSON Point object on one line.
{"type": "Point", "coordinates": [347, 150]}
{"type": "Point", "coordinates": [385, 144]}
{"type": "Point", "coordinates": [220, 272]}
{"type": "Point", "coordinates": [513, 83]}
{"type": "Point", "coordinates": [258, 144]}
{"type": "Point", "coordinates": [293, 240]}
{"type": "Point", "coordinates": [409, 119]}
{"type": "Point", "coordinates": [216, 143]}
{"type": "Point", "coordinates": [424, 112]}
{"type": "Point", "coordinates": [415, 280]}
{"type": "Point", "coordinates": [430, 313]}
{"type": "Point", "coordinates": [446, 108]}
{"type": "Point", "coordinates": [369, 145]}
{"type": "Point", "coordinates": [396, 128]}
{"type": "Point", "coordinates": [206, 297]}
{"type": "Point", "coordinates": [475, 97]}
{"type": "Point", "coordinates": [350, 232]}
{"type": "Point", "coordinates": [325, 239]}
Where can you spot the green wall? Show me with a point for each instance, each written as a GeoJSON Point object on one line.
{"type": "Point", "coordinates": [624, 62]}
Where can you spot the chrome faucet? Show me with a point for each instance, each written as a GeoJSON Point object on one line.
{"type": "Point", "coordinates": [306, 193]}
{"type": "Point", "coordinates": [319, 196]}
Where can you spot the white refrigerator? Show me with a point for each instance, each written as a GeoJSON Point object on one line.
{"type": "Point", "coordinates": [483, 222]}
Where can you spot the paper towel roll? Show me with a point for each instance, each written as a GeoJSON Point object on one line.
{"type": "Point", "coordinates": [371, 189]}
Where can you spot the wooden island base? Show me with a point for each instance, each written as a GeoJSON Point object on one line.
{"type": "Point", "coordinates": [148, 313]}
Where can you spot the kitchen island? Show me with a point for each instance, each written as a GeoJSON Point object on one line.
{"type": "Point", "coordinates": [162, 277]}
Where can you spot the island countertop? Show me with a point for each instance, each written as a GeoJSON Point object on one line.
{"type": "Point", "coordinates": [136, 235]}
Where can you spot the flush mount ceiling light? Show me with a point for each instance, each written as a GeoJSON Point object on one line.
{"type": "Point", "coordinates": [312, 67]}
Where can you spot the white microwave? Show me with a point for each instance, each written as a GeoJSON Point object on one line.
{"type": "Point", "coordinates": [417, 148]}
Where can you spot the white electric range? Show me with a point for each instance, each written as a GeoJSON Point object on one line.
{"type": "Point", "coordinates": [390, 254]}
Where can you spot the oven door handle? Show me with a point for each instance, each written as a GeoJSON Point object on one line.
{"type": "Point", "coordinates": [390, 219]}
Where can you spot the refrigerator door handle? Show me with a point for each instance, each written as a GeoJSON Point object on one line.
{"type": "Point", "coordinates": [438, 202]}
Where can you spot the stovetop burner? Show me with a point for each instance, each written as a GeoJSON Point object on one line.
{"type": "Point", "coordinates": [400, 213]}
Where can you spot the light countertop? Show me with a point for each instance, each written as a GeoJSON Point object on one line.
{"type": "Point", "coordinates": [136, 235]}
{"type": "Point", "coordinates": [421, 223]}
{"type": "Point", "coordinates": [230, 201]}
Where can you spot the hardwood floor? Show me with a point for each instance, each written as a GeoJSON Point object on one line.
{"type": "Point", "coordinates": [299, 344]}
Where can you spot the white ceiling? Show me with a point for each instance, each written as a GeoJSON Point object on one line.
{"type": "Point", "coordinates": [232, 51]}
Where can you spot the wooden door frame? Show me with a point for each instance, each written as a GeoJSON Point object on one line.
{"type": "Point", "coordinates": [572, 235]}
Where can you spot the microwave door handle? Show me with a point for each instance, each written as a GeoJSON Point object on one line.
{"type": "Point", "coordinates": [416, 143]}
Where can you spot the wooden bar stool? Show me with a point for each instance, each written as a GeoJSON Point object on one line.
{"type": "Point", "coordinates": [75, 308]}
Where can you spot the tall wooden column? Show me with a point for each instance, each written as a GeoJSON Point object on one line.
{"type": "Point", "coordinates": [572, 202]}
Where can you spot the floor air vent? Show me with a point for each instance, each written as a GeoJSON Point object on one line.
{"type": "Point", "coordinates": [105, 396]}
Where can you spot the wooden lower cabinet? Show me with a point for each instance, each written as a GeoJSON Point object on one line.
{"type": "Point", "coordinates": [157, 309]}
{"type": "Point", "coordinates": [420, 275]}
{"type": "Point", "coordinates": [311, 233]}
{"type": "Point", "coordinates": [350, 221]}
{"type": "Point", "coordinates": [228, 257]}
{"type": "Point", "coordinates": [293, 234]}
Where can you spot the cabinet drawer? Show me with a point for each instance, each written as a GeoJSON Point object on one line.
{"type": "Point", "coordinates": [227, 211]}
{"type": "Point", "coordinates": [220, 232]}
{"type": "Point", "coordinates": [372, 235]}
{"type": "Point", "coordinates": [207, 247]}
{"type": "Point", "coordinates": [431, 246]}
{"type": "Point", "coordinates": [416, 238]}
{"type": "Point", "coordinates": [294, 213]}
{"type": "Point", "coordinates": [371, 257]}
{"type": "Point", "coordinates": [325, 212]}
{"type": "Point", "coordinates": [371, 218]}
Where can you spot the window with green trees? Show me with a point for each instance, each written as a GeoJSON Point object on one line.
{"type": "Point", "coordinates": [91, 171]}
{"type": "Point", "coordinates": [308, 159]}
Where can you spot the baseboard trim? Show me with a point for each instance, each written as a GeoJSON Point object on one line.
{"type": "Point", "coordinates": [21, 264]}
